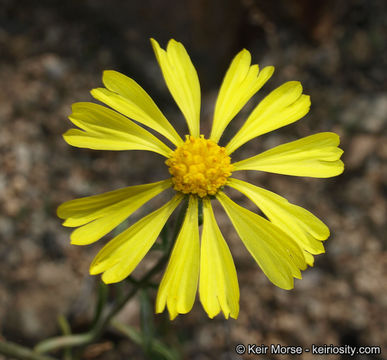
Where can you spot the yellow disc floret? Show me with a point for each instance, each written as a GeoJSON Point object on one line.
{"type": "Point", "coordinates": [199, 166]}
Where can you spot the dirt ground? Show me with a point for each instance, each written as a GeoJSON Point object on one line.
{"type": "Point", "coordinates": [53, 52]}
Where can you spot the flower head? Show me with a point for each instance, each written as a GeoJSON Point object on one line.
{"type": "Point", "coordinates": [199, 166]}
{"type": "Point", "coordinates": [282, 245]}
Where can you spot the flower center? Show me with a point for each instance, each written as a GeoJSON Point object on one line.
{"type": "Point", "coordinates": [199, 166]}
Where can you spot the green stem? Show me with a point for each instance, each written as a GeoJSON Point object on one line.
{"type": "Point", "coordinates": [93, 334]}
{"type": "Point", "coordinates": [66, 330]}
{"type": "Point", "coordinates": [147, 324]}
{"type": "Point", "coordinates": [17, 351]}
{"type": "Point", "coordinates": [103, 291]}
{"type": "Point", "coordinates": [104, 319]}
{"type": "Point", "coordinates": [157, 346]}
{"type": "Point", "coordinates": [109, 311]}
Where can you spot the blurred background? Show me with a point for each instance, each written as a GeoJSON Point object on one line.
{"type": "Point", "coordinates": [53, 52]}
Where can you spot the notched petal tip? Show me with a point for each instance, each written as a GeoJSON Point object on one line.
{"type": "Point", "coordinates": [244, 53]}
{"type": "Point", "coordinates": [110, 72]}
{"type": "Point", "coordinates": [109, 279]}
{"type": "Point", "coordinates": [307, 100]}
{"type": "Point", "coordinates": [172, 315]}
{"type": "Point", "coordinates": [156, 46]}
{"type": "Point", "coordinates": [75, 241]}
{"type": "Point", "coordinates": [323, 234]}
{"type": "Point", "coordinates": [93, 270]}
{"type": "Point", "coordinates": [269, 69]}
{"type": "Point", "coordinates": [293, 83]}
{"type": "Point", "coordinates": [340, 167]}
{"type": "Point", "coordinates": [290, 90]}
{"type": "Point", "coordinates": [112, 76]}
{"type": "Point", "coordinates": [67, 136]}
{"type": "Point", "coordinates": [287, 287]}
{"type": "Point", "coordinates": [153, 40]}
{"type": "Point", "coordinates": [332, 137]}
{"type": "Point", "coordinates": [173, 42]}
{"type": "Point", "coordinates": [60, 210]}
{"type": "Point", "coordinates": [96, 92]}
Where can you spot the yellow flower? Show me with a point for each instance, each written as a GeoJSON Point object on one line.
{"type": "Point", "coordinates": [200, 168]}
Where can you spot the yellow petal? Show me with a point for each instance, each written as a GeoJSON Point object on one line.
{"type": "Point", "coordinates": [281, 107]}
{"type": "Point", "coordinates": [218, 284]}
{"type": "Point", "coordinates": [182, 81]}
{"type": "Point", "coordinates": [81, 211]}
{"type": "Point", "coordinates": [314, 156]}
{"type": "Point", "coordinates": [178, 287]}
{"type": "Point", "coordinates": [309, 258]}
{"type": "Point", "coordinates": [130, 99]}
{"type": "Point", "coordinates": [119, 257]}
{"type": "Point", "coordinates": [105, 129]}
{"type": "Point", "coordinates": [240, 83]}
{"type": "Point", "coordinates": [108, 218]}
{"type": "Point", "coordinates": [278, 255]}
{"type": "Point", "coordinates": [301, 225]}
